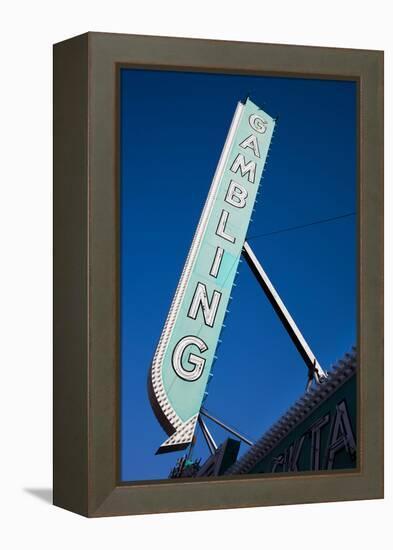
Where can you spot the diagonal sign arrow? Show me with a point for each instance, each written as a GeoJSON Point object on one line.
{"type": "Point", "coordinates": [182, 363]}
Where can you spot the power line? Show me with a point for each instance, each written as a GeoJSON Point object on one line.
{"type": "Point", "coordinates": [294, 227]}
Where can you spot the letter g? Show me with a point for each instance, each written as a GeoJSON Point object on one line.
{"type": "Point", "coordinates": [197, 362]}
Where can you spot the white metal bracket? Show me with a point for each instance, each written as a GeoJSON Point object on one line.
{"type": "Point", "coordinates": [315, 371]}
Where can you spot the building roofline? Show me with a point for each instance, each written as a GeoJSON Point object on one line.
{"type": "Point", "coordinates": [342, 371]}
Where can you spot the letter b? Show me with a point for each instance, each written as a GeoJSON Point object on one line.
{"type": "Point", "coordinates": [236, 195]}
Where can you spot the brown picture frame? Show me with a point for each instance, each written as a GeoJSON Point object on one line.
{"type": "Point", "coordinates": [86, 301]}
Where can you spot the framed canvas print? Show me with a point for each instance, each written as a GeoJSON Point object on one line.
{"type": "Point", "coordinates": [218, 274]}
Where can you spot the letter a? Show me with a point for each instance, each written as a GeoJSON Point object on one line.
{"type": "Point", "coordinates": [252, 143]}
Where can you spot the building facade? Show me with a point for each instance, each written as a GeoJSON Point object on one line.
{"type": "Point", "coordinates": [317, 433]}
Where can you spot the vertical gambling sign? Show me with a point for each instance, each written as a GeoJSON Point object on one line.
{"type": "Point", "coordinates": [183, 360]}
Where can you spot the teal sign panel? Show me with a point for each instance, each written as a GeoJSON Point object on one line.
{"type": "Point", "coordinates": [182, 364]}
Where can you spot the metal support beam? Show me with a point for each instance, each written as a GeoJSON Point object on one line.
{"type": "Point", "coordinates": [204, 412]}
{"type": "Point", "coordinates": [314, 368]}
{"type": "Point", "coordinates": [208, 436]}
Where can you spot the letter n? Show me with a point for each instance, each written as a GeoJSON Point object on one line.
{"type": "Point", "coordinates": [209, 309]}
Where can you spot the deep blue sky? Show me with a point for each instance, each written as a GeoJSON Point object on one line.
{"type": "Point", "coordinates": [173, 127]}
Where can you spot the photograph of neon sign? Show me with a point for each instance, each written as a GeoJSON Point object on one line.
{"type": "Point", "coordinates": [205, 219]}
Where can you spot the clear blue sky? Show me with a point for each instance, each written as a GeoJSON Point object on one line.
{"type": "Point", "coordinates": [173, 127]}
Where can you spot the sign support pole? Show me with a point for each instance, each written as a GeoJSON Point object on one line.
{"type": "Point", "coordinates": [314, 368]}
{"type": "Point", "coordinates": [204, 412]}
{"type": "Point", "coordinates": [208, 436]}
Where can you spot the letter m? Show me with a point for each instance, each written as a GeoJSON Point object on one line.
{"type": "Point", "coordinates": [245, 167]}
